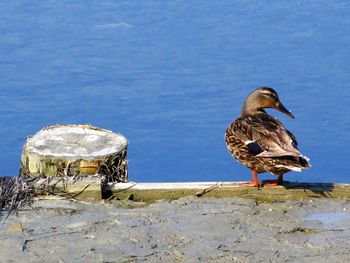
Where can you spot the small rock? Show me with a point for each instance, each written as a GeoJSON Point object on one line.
{"type": "Point", "coordinates": [154, 245]}
{"type": "Point", "coordinates": [134, 240]}
{"type": "Point", "coordinates": [15, 228]}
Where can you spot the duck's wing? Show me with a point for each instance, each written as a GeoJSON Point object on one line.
{"type": "Point", "coordinates": [265, 136]}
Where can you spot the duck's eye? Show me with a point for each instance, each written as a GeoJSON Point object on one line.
{"type": "Point", "coordinates": [270, 95]}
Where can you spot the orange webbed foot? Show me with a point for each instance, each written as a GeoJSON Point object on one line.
{"type": "Point", "coordinates": [255, 182]}
{"type": "Point", "coordinates": [251, 184]}
{"type": "Point", "coordinates": [276, 182]}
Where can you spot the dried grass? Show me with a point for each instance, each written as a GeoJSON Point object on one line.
{"type": "Point", "coordinates": [15, 192]}
{"type": "Point", "coordinates": [115, 169]}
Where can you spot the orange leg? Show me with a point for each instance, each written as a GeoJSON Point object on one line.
{"type": "Point", "coordinates": [276, 182]}
{"type": "Point", "coordinates": [255, 182]}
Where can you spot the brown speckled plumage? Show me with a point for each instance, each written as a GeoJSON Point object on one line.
{"type": "Point", "coordinates": [260, 141]}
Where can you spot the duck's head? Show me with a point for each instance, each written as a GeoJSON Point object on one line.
{"type": "Point", "coordinates": [261, 98]}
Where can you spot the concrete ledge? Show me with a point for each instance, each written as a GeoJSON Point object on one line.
{"type": "Point", "coordinates": [151, 192]}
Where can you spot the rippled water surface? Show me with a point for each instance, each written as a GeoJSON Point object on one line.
{"type": "Point", "coordinates": [172, 75]}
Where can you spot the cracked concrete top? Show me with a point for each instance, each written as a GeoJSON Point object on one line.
{"type": "Point", "coordinates": [76, 142]}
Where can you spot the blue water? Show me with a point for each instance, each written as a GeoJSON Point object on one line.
{"type": "Point", "coordinates": [172, 75]}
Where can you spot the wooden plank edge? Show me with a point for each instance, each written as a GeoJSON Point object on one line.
{"type": "Point", "coordinates": [91, 188]}
{"type": "Point", "coordinates": [152, 192]}
{"type": "Point", "coordinates": [85, 188]}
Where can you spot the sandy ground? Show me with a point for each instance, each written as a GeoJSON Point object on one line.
{"type": "Point", "coordinates": [186, 230]}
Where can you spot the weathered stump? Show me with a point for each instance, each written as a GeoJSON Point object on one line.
{"type": "Point", "coordinates": [72, 150]}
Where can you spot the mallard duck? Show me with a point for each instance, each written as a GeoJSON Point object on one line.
{"type": "Point", "coordinates": [261, 142]}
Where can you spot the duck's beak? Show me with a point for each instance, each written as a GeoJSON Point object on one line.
{"type": "Point", "coordinates": [283, 109]}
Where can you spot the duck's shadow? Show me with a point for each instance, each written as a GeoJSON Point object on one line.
{"type": "Point", "coordinates": [329, 190]}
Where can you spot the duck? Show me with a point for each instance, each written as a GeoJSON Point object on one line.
{"type": "Point", "coordinates": [261, 142]}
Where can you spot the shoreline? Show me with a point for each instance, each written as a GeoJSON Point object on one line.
{"type": "Point", "coordinates": [190, 229]}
